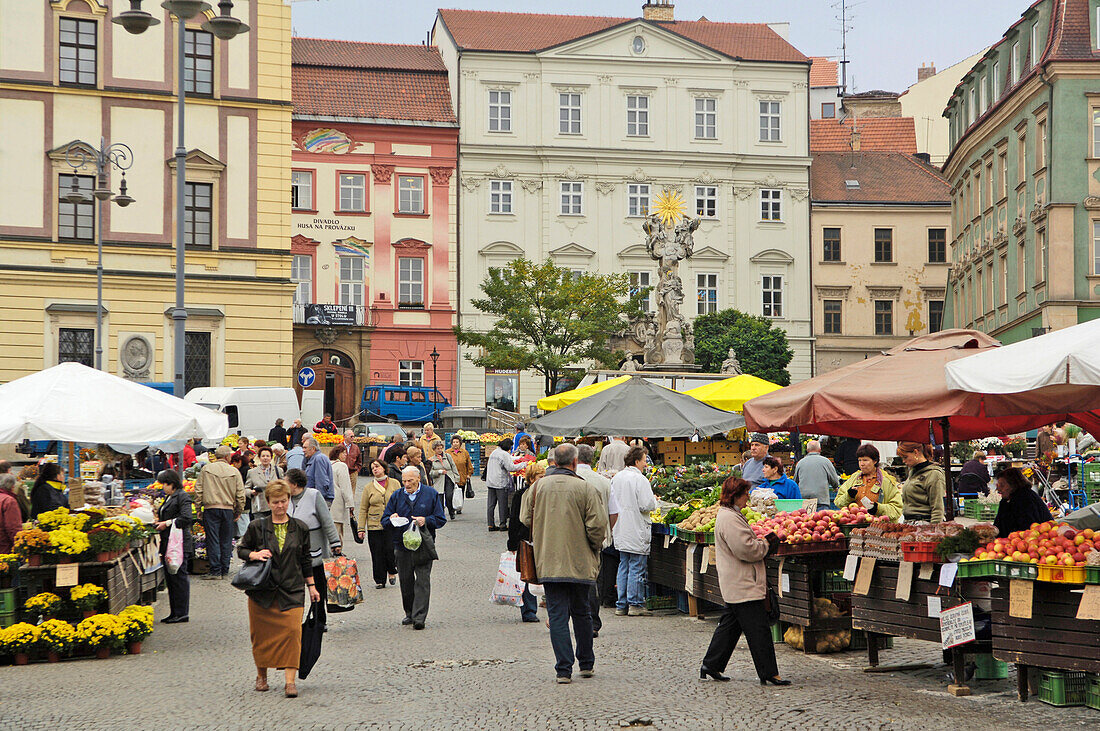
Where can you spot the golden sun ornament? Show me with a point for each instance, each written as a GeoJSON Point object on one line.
{"type": "Point", "coordinates": [669, 206]}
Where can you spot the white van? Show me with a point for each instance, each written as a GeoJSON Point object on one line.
{"type": "Point", "coordinates": [252, 410]}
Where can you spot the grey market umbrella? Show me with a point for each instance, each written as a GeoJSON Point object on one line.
{"type": "Point", "coordinates": [636, 408]}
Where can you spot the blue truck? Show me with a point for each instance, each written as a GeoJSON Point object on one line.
{"type": "Point", "coordinates": [408, 404]}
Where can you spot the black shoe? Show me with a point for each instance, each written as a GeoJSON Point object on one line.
{"type": "Point", "coordinates": [407, 621]}
{"type": "Point", "coordinates": [379, 586]}
{"type": "Point", "coordinates": [595, 633]}
{"type": "Point", "coordinates": [393, 580]}
{"type": "Point", "coordinates": [774, 681]}
{"type": "Point", "coordinates": [418, 625]}
{"type": "Point", "coordinates": [174, 620]}
{"type": "Point", "coordinates": [452, 516]}
{"type": "Point", "coordinates": [493, 529]}
{"type": "Point", "coordinates": [530, 619]}
{"type": "Point", "coordinates": [459, 511]}
{"type": "Point", "coordinates": [705, 672]}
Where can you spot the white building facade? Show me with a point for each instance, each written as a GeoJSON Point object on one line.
{"type": "Point", "coordinates": [567, 136]}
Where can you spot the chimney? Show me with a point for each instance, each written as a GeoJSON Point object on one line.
{"type": "Point", "coordinates": [924, 157]}
{"type": "Point", "coordinates": [926, 72]}
{"type": "Point", "coordinates": [658, 10]}
{"type": "Point", "coordinates": [855, 140]}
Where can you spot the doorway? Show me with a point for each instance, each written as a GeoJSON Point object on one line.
{"type": "Point", "coordinates": [336, 377]}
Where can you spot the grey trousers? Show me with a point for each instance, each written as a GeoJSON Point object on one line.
{"type": "Point", "coordinates": [498, 501]}
{"type": "Point", "coordinates": [416, 584]}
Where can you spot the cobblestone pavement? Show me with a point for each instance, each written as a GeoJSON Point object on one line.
{"type": "Point", "coordinates": [477, 667]}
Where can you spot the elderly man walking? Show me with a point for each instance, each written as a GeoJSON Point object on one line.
{"type": "Point", "coordinates": [815, 474]}
{"type": "Point", "coordinates": [420, 504]}
{"type": "Point", "coordinates": [353, 457]}
{"type": "Point", "coordinates": [219, 490]}
{"type": "Point", "coordinates": [585, 455]}
{"type": "Point", "coordinates": [318, 471]}
{"type": "Point", "coordinates": [568, 525]}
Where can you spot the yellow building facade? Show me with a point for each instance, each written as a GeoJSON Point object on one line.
{"type": "Point", "coordinates": [68, 74]}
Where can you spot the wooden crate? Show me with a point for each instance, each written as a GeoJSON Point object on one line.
{"type": "Point", "coordinates": [728, 459]}
{"type": "Point", "coordinates": [120, 577]}
{"type": "Point", "coordinates": [674, 458]}
{"type": "Point", "coordinates": [670, 447]}
{"type": "Point", "coordinates": [666, 565]}
{"type": "Point", "coordinates": [1053, 637]}
{"type": "Point", "coordinates": [880, 611]}
{"type": "Point", "coordinates": [698, 448]}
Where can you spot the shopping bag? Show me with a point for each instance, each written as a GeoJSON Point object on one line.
{"type": "Point", "coordinates": [313, 631]}
{"type": "Point", "coordinates": [411, 538]}
{"type": "Point", "coordinates": [508, 588]}
{"type": "Point", "coordinates": [536, 589]}
{"type": "Point", "coordinates": [342, 577]}
{"type": "Point", "coordinates": [173, 555]}
{"type": "Point", "coordinates": [456, 498]}
{"type": "Point", "coordinates": [354, 528]}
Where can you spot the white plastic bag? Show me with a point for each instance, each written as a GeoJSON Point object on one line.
{"type": "Point", "coordinates": [456, 497]}
{"type": "Point", "coordinates": [173, 556]}
{"type": "Point", "coordinates": [508, 588]}
{"type": "Point", "coordinates": [536, 590]}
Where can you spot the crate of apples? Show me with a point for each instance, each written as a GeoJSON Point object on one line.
{"type": "Point", "coordinates": [1048, 543]}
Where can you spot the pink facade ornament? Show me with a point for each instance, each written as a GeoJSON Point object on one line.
{"type": "Point", "coordinates": [382, 173]}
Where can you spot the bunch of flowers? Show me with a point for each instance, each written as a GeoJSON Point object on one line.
{"type": "Point", "coordinates": [62, 518]}
{"type": "Point", "coordinates": [125, 526]}
{"type": "Point", "coordinates": [32, 541]}
{"type": "Point", "coordinates": [55, 635]}
{"type": "Point", "coordinates": [8, 562]}
{"type": "Point", "coordinates": [138, 622]}
{"type": "Point", "coordinates": [108, 536]}
{"type": "Point", "coordinates": [88, 596]}
{"type": "Point", "coordinates": [101, 630]}
{"type": "Point", "coordinates": [19, 638]}
{"type": "Point", "coordinates": [1016, 446]}
{"type": "Point", "coordinates": [991, 443]}
{"type": "Point", "coordinates": [69, 541]}
{"type": "Point", "coordinates": [44, 603]}
{"type": "Point", "coordinates": [91, 516]}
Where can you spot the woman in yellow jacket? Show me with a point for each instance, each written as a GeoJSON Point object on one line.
{"type": "Point", "coordinates": [871, 483]}
{"type": "Point", "coordinates": [376, 493]}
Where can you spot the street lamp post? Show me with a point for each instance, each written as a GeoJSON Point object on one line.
{"type": "Point", "coordinates": [119, 156]}
{"type": "Point", "coordinates": [434, 355]}
{"type": "Point", "coordinates": [136, 21]}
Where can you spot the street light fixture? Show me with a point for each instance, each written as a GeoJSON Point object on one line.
{"type": "Point", "coordinates": [121, 157]}
{"type": "Point", "coordinates": [225, 27]}
{"type": "Point", "coordinates": [434, 355]}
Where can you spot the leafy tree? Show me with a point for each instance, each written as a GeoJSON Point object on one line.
{"type": "Point", "coordinates": [761, 347]}
{"type": "Point", "coordinates": [548, 320]}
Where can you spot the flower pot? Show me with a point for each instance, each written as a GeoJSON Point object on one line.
{"type": "Point", "coordinates": [52, 656]}
{"type": "Point", "coordinates": [21, 658]}
{"type": "Point", "coordinates": [134, 648]}
{"type": "Point", "coordinates": [34, 560]}
{"type": "Point", "coordinates": [90, 613]}
{"type": "Point", "coordinates": [65, 559]}
{"type": "Point", "coordinates": [102, 653]}
{"type": "Point", "coordinates": [103, 556]}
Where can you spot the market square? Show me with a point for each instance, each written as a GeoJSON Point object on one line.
{"type": "Point", "coordinates": [443, 437]}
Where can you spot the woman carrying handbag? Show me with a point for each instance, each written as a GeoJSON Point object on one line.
{"type": "Point", "coordinates": [444, 475]}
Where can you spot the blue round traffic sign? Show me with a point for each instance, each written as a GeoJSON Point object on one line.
{"type": "Point", "coordinates": [306, 377]}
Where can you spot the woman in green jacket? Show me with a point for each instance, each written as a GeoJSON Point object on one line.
{"type": "Point", "coordinates": [923, 492]}
{"type": "Point", "coordinates": [871, 483]}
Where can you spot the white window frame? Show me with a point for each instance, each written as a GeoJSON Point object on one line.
{"type": "Point", "coordinates": [357, 194]}
{"type": "Point", "coordinates": [706, 293]}
{"type": "Point", "coordinates": [352, 280]}
{"type": "Point", "coordinates": [771, 204]}
{"type": "Point", "coordinates": [637, 200]}
{"type": "Point", "coordinates": [410, 282]}
{"type": "Point", "coordinates": [985, 93]}
{"type": "Point", "coordinates": [572, 198]}
{"type": "Point", "coordinates": [637, 115]}
{"type": "Point", "coordinates": [641, 279]}
{"type": "Point", "coordinates": [407, 194]}
{"type": "Point", "coordinates": [297, 185]}
{"type": "Point", "coordinates": [770, 286]}
{"type": "Point", "coordinates": [994, 76]}
{"type": "Point", "coordinates": [1095, 247]}
{"type": "Point", "coordinates": [500, 110]}
{"type": "Point", "coordinates": [706, 201]}
{"type": "Point", "coordinates": [500, 197]}
{"type": "Point", "coordinates": [1096, 132]}
{"type": "Point", "coordinates": [706, 118]}
{"type": "Point", "coordinates": [1035, 44]}
{"type": "Point", "coordinates": [1015, 61]}
{"type": "Point", "coordinates": [569, 113]}
{"type": "Point", "coordinates": [303, 292]}
{"type": "Point", "coordinates": [410, 373]}
{"type": "Point", "coordinates": [973, 105]}
{"type": "Point", "coordinates": [771, 121]}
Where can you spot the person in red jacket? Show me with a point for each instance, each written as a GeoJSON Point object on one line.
{"type": "Point", "coordinates": [11, 515]}
{"type": "Point", "coordinates": [326, 425]}
{"type": "Point", "coordinates": [188, 455]}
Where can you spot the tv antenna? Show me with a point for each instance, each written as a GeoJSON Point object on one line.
{"type": "Point", "coordinates": [846, 17]}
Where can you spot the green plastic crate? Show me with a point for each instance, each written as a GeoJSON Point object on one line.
{"type": "Point", "coordinates": [833, 582]}
{"type": "Point", "coordinates": [1090, 473]}
{"type": "Point", "coordinates": [1092, 694]}
{"type": "Point", "coordinates": [660, 602]}
{"type": "Point", "coordinates": [694, 459]}
{"type": "Point", "coordinates": [976, 569]}
{"type": "Point", "coordinates": [1092, 574]}
{"type": "Point", "coordinates": [788, 506]}
{"type": "Point", "coordinates": [1016, 570]}
{"type": "Point", "coordinates": [7, 620]}
{"type": "Point", "coordinates": [859, 641]}
{"type": "Point", "coordinates": [975, 510]}
{"type": "Point", "coordinates": [7, 601]}
{"type": "Point", "coordinates": [1063, 688]}
{"type": "Point", "coordinates": [777, 633]}
{"type": "Point", "coordinates": [990, 668]}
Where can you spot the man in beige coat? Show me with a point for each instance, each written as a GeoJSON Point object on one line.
{"type": "Point", "coordinates": [219, 491]}
{"type": "Point", "coordinates": [568, 522]}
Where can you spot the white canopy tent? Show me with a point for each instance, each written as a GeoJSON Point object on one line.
{"type": "Point", "coordinates": [74, 403]}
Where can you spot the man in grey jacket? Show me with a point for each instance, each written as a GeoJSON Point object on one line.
{"type": "Point", "coordinates": [815, 474]}
{"type": "Point", "coordinates": [498, 481]}
{"type": "Point", "coordinates": [585, 455]}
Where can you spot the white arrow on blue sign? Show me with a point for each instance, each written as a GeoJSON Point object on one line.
{"type": "Point", "coordinates": [306, 377]}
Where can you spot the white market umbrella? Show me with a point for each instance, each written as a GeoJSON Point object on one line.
{"type": "Point", "coordinates": [74, 403]}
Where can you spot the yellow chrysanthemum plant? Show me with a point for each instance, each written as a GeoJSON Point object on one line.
{"type": "Point", "coordinates": [88, 597]}
{"type": "Point", "coordinates": [19, 638]}
{"type": "Point", "coordinates": [101, 630]}
{"type": "Point", "coordinates": [68, 541]}
{"type": "Point", "coordinates": [138, 622]}
{"type": "Point", "coordinates": [45, 603]}
{"type": "Point", "coordinates": [55, 635]}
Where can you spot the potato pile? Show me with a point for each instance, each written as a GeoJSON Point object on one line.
{"type": "Point", "coordinates": [836, 641]}
{"type": "Point", "coordinates": [701, 520]}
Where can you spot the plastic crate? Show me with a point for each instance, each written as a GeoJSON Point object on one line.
{"type": "Point", "coordinates": [1092, 694]}
{"type": "Point", "coordinates": [1062, 688]}
{"type": "Point", "coordinates": [660, 602]}
{"type": "Point", "coordinates": [1061, 574]}
{"type": "Point", "coordinates": [660, 529]}
{"type": "Point", "coordinates": [1092, 574]}
{"type": "Point", "coordinates": [1016, 570]}
{"type": "Point", "coordinates": [788, 506]}
{"type": "Point", "coordinates": [833, 582]}
{"type": "Point", "coordinates": [978, 511]}
{"type": "Point", "coordinates": [7, 601]}
{"type": "Point", "coordinates": [976, 569]}
{"type": "Point", "coordinates": [694, 536]}
{"type": "Point", "coordinates": [859, 641]}
{"type": "Point", "coordinates": [7, 620]}
{"type": "Point", "coordinates": [1090, 475]}
{"type": "Point", "coordinates": [990, 668]}
{"type": "Point", "coordinates": [919, 551]}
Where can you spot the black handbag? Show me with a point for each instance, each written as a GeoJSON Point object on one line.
{"type": "Point", "coordinates": [313, 631]}
{"type": "Point", "coordinates": [354, 528]}
{"type": "Point", "coordinates": [771, 605]}
{"type": "Point", "coordinates": [469, 489]}
{"type": "Point", "coordinates": [253, 575]}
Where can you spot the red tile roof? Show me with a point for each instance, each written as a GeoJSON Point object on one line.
{"type": "Point", "coordinates": [883, 177]}
{"type": "Point", "coordinates": [876, 134]}
{"type": "Point", "coordinates": [369, 81]}
{"type": "Point", "coordinates": [529, 32]}
{"type": "Point", "coordinates": [823, 72]}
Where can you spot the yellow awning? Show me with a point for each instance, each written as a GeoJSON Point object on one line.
{"type": "Point", "coordinates": [731, 393]}
{"type": "Point", "coordinates": [558, 400]}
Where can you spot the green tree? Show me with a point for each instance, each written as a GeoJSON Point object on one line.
{"type": "Point", "coordinates": [761, 347]}
{"type": "Point", "coordinates": [548, 320]}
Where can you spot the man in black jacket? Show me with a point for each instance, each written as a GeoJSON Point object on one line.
{"type": "Point", "coordinates": [295, 433]}
{"type": "Point", "coordinates": [277, 434]}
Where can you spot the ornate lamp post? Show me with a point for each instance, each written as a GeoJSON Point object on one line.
{"type": "Point", "coordinates": [434, 355]}
{"type": "Point", "coordinates": [119, 156]}
{"type": "Point", "coordinates": [136, 21]}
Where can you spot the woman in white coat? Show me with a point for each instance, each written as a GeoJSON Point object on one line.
{"type": "Point", "coordinates": [343, 503]}
{"type": "Point", "coordinates": [444, 474]}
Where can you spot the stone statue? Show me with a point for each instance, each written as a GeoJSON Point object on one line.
{"type": "Point", "coordinates": [689, 343]}
{"type": "Point", "coordinates": [731, 365]}
{"type": "Point", "coordinates": [673, 342]}
{"type": "Point", "coordinates": [629, 365]}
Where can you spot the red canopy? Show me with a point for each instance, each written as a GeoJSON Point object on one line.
{"type": "Point", "coordinates": [899, 394]}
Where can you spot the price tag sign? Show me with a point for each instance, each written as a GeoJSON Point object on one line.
{"type": "Point", "coordinates": [667, 540]}
{"type": "Point", "coordinates": [934, 606]}
{"type": "Point", "coordinates": [863, 577]}
{"type": "Point", "coordinates": [68, 574]}
{"type": "Point", "coordinates": [785, 582]}
{"type": "Point", "coordinates": [926, 571]}
{"type": "Point", "coordinates": [1089, 608]}
{"type": "Point", "coordinates": [850, 565]}
{"type": "Point", "coordinates": [948, 572]}
{"type": "Point", "coordinates": [783, 588]}
{"type": "Point", "coordinates": [905, 581]}
{"type": "Point", "coordinates": [689, 569]}
{"type": "Point", "coordinates": [1021, 595]}
{"type": "Point", "coordinates": [711, 557]}
{"type": "Point", "coordinates": [957, 625]}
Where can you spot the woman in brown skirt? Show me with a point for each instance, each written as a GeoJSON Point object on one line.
{"type": "Point", "coordinates": [275, 612]}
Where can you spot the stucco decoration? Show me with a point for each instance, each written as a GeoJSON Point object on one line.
{"type": "Point", "coordinates": [326, 335]}
{"type": "Point", "coordinates": [326, 140]}
{"type": "Point", "coordinates": [605, 187]}
{"type": "Point", "coordinates": [571, 173]}
{"type": "Point", "coordinates": [799, 194]}
{"type": "Point", "coordinates": [470, 183]}
{"type": "Point", "coordinates": [1019, 226]}
{"type": "Point", "coordinates": [744, 192]}
{"type": "Point", "coordinates": [382, 173]}
{"type": "Point", "coordinates": [531, 185]}
{"type": "Point", "coordinates": [638, 176]}
{"type": "Point", "coordinates": [440, 175]}
{"type": "Point", "coordinates": [499, 172]}
{"type": "Point", "coordinates": [136, 356]}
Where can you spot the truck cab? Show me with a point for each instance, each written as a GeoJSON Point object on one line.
{"type": "Point", "coordinates": [412, 404]}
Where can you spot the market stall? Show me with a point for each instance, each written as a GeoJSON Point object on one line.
{"type": "Point", "coordinates": [730, 394]}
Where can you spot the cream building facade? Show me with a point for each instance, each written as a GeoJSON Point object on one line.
{"type": "Point", "coordinates": [67, 73]}
{"type": "Point", "coordinates": [570, 126]}
{"type": "Point", "coordinates": [925, 101]}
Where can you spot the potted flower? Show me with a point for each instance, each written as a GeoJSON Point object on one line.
{"type": "Point", "coordinates": [101, 633]}
{"type": "Point", "coordinates": [138, 622]}
{"type": "Point", "coordinates": [1016, 447]}
{"type": "Point", "coordinates": [18, 641]}
{"type": "Point", "coordinates": [53, 519]}
{"type": "Point", "coordinates": [32, 544]}
{"type": "Point", "coordinates": [9, 564]}
{"type": "Point", "coordinates": [106, 539]}
{"type": "Point", "coordinates": [56, 638]}
{"type": "Point", "coordinates": [69, 543]}
{"type": "Point", "coordinates": [45, 604]}
{"type": "Point", "coordinates": [88, 597]}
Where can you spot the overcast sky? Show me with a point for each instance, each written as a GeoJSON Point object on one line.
{"type": "Point", "coordinates": [888, 39]}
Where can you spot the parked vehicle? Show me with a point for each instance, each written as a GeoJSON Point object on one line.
{"type": "Point", "coordinates": [415, 404]}
{"type": "Point", "coordinates": [252, 410]}
{"type": "Point", "coordinates": [382, 429]}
